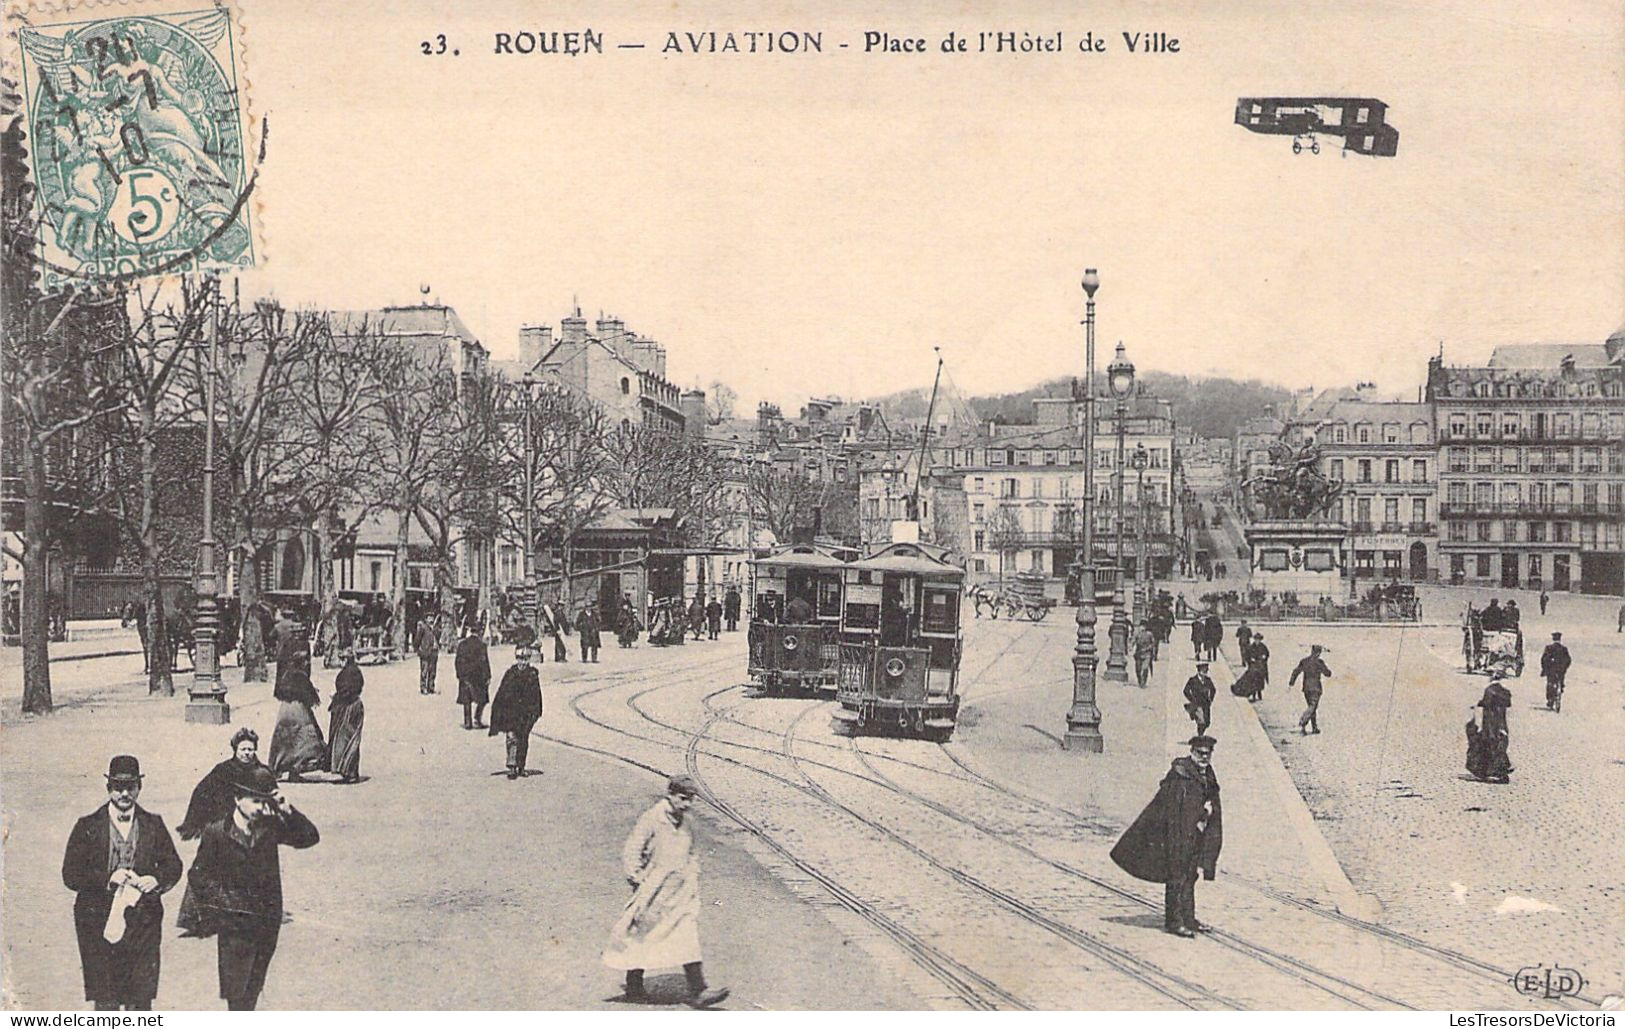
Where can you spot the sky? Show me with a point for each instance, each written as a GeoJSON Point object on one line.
{"type": "Point", "coordinates": [814, 224]}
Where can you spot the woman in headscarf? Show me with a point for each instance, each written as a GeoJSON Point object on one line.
{"type": "Point", "coordinates": [297, 746]}
{"type": "Point", "coordinates": [213, 799]}
{"type": "Point", "coordinates": [1487, 757]}
{"type": "Point", "coordinates": [346, 715]}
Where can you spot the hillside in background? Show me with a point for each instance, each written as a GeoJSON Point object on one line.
{"type": "Point", "coordinates": [1215, 407]}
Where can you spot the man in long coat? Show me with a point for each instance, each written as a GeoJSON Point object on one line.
{"type": "Point", "coordinates": [516, 709]}
{"type": "Point", "coordinates": [1554, 667]}
{"type": "Point", "coordinates": [1198, 636]}
{"type": "Point", "coordinates": [1312, 670]}
{"type": "Point", "coordinates": [473, 665]}
{"type": "Point", "coordinates": [1215, 635]}
{"type": "Point", "coordinates": [730, 607]}
{"type": "Point", "coordinates": [234, 890]}
{"type": "Point", "coordinates": [713, 618]}
{"type": "Point", "coordinates": [1199, 693]}
{"type": "Point", "coordinates": [427, 646]}
{"type": "Point", "coordinates": [660, 926]}
{"type": "Point", "coordinates": [588, 629]}
{"type": "Point", "coordinates": [120, 860]}
{"type": "Point", "coordinates": [1178, 836]}
{"type": "Point", "coordinates": [1145, 653]}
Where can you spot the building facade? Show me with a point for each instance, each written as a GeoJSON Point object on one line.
{"type": "Point", "coordinates": [620, 371]}
{"type": "Point", "coordinates": [1532, 472]}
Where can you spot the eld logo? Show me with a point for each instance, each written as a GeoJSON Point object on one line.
{"type": "Point", "coordinates": [1548, 983]}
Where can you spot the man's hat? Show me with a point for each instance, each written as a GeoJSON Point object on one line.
{"type": "Point", "coordinates": [1202, 742]}
{"type": "Point", "coordinates": [252, 781]}
{"type": "Point", "coordinates": [682, 784]}
{"type": "Point", "coordinates": [1201, 664]}
{"type": "Point", "coordinates": [1557, 635]}
{"type": "Point", "coordinates": [1316, 647]}
{"type": "Point", "coordinates": [522, 652]}
{"type": "Point", "coordinates": [123, 768]}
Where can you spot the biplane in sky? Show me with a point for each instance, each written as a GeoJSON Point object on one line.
{"type": "Point", "coordinates": [1359, 120]}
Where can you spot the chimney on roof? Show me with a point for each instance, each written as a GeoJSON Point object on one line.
{"type": "Point", "coordinates": [534, 342]}
{"type": "Point", "coordinates": [692, 404]}
{"type": "Point", "coordinates": [648, 355]}
{"type": "Point", "coordinates": [573, 329]}
{"type": "Point", "coordinates": [612, 330]}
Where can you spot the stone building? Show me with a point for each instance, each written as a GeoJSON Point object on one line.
{"type": "Point", "coordinates": [1531, 466]}
{"type": "Point", "coordinates": [620, 371]}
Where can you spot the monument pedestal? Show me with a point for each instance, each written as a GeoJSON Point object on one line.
{"type": "Point", "coordinates": [1302, 556]}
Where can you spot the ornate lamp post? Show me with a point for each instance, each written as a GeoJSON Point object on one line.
{"type": "Point", "coordinates": [1083, 718]}
{"type": "Point", "coordinates": [1142, 570]}
{"type": "Point", "coordinates": [206, 701]}
{"type": "Point", "coordinates": [1120, 376]}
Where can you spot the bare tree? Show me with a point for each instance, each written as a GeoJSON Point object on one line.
{"type": "Point", "coordinates": [1004, 533]}
{"type": "Point", "coordinates": [419, 392]}
{"type": "Point", "coordinates": [51, 384]}
{"type": "Point", "coordinates": [781, 500]}
{"type": "Point", "coordinates": [456, 502]}
{"type": "Point", "coordinates": [720, 402]}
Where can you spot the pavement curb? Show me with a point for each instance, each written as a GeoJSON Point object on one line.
{"type": "Point", "coordinates": [1322, 859]}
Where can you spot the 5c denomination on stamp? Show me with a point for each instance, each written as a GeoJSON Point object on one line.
{"type": "Point", "coordinates": [139, 143]}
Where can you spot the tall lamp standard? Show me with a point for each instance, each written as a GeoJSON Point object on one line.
{"type": "Point", "coordinates": [1083, 718]}
{"type": "Point", "coordinates": [1142, 570]}
{"type": "Point", "coordinates": [206, 697]}
{"type": "Point", "coordinates": [532, 587]}
{"type": "Point", "coordinates": [1120, 376]}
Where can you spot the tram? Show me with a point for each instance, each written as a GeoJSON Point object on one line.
{"type": "Point", "coordinates": [795, 616]}
{"type": "Point", "coordinates": [901, 642]}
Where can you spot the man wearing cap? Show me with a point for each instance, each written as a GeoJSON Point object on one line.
{"type": "Point", "coordinates": [1145, 653]}
{"type": "Point", "coordinates": [587, 631]}
{"type": "Point", "coordinates": [1313, 670]}
{"type": "Point", "coordinates": [1178, 836]}
{"type": "Point", "coordinates": [1554, 665]}
{"type": "Point", "coordinates": [660, 926]}
{"type": "Point", "coordinates": [427, 646]}
{"type": "Point", "coordinates": [1199, 693]}
{"type": "Point", "coordinates": [120, 860]}
{"type": "Point", "coordinates": [517, 707]}
{"type": "Point", "coordinates": [234, 890]}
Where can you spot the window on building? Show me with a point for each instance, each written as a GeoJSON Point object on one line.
{"type": "Point", "coordinates": [1022, 457]}
{"type": "Point", "coordinates": [1038, 561]}
{"type": "Point", "coordinates": [1390, 514]}
{"type": "Point", "coordinates": [1509, 426]}
{"type": "Point", "coordinates": [1012, 488]}
{"type": "Point", "coordinates": [1340, 433]}
{"type": "Point", "coordinates": [1588, 496]}
{"type": "Point", "coordinates": [1458, 425]}
{"type": "Point", "coordinates": [1562, 532]}
{"type": "Point", "coordinates": [1483, 424]}
{"type": "Point", "coordinates": [1616, 497]}
{"type": "Point", "coordinates": [1483, 566]}
{"type": "Point", "coordinates": [1419, 432]}
{"type": "Point", "coordinates": [1483, 459]}
{"type": "Point", "coordinates": [1563, 459]}
{"type": "Point", "coordinates": [1419, 513]}
{"type": "Point", "coordinates": [1591, 459]}
{"type": "Point", "coordinates": [981, 540]}
{"type": "Point", "coordinates": [1365, 470]}
{"type": "Point", "coordinates": [1483, 531]}
{"type": "Point", "coordinates": [1038, 488]}
{"type": "Point", "coordinates": [1336, 469]}
{"type": "Point", "coordinates": [1509, 531]}
{"type": "Point", "coordinates": [626, 385]}
{"type": "Point", "coordinates": [1390, 470]}
{"type": "Point", "coordinates": [978, 484]}
{"type": "Point", "coordinates": [1483, 494]}
{"type": "Point", "coordinates": [1509, 459]}
{"type": "Point", "coordinates": [1458, 459]}
{"type": "Point", "coordinates": [1537, 532]}
{"type": "Point", "coordinates": [978, 512]}
{"type": "Point", "coordinates": [1390, 432]}
{"type": "Point", "coordinates": [1456, 494]}
{"type": "Point", "coordinates": [1362, 513]}
{"type": "Point", "coordinates": [1419, 470]}
{"type": "Point", "coordinates": [1457, 532]}
{"type": "Point", "coordinates": [1362, 433]}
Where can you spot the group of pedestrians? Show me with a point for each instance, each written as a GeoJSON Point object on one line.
{"type": "Point", "coordinates": [120, 861]}
{"type": "Point", "coordinates": [1207, 635]}
{"type": "Point", "coordinates": [1255, 661]}
{"type": "Point", "coordinates": [298, 747]}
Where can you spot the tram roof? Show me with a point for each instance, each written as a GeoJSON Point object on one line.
{"type": "Point", "coordinates": [909, 559]}
{"type": "Point", "coordinates": [800, 556]}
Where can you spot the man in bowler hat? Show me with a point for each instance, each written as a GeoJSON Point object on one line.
{"type": "Point", "coordinates": [120, 860]}
{"type": "Point", "coordinates": [1178, 836]}
{"type": "Point", "coordinates": [234, 891]}
{"type": "Point", "coordinates": [1199, 692]}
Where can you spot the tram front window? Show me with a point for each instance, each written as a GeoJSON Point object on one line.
{"type": "Point", "coordinates": [767, 608]}
{"type": "Point", "coordinates": [894, 616]}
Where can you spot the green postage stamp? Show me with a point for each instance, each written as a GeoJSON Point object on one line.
{"type": "Point", "coordinates": [138, 142]}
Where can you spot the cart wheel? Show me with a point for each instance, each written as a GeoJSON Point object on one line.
{"type": "Point", "coordinates": [1314, 147]}
{"type": "Point", "coordinates": [1297, 147]}
{"type": "Point", "coordinates": [1036, 613]}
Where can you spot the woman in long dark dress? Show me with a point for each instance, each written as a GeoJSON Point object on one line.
{"type": "Point", "coordinates": [297, 746]}
{"type": "Point", "coordinates": [346, 716]}
{"type": "Point", "coordinates": [213, 799]}
{"type": "Point", "coordinates": [1487, 757]}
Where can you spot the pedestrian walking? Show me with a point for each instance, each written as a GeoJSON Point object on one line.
{"type": "Point", "coordinates": [1544, 600]}
{"type": "Point", "coordinates": [1198, 636]}
{"type": "Point", "coordinates": [1512, 618]}
{"type": "Point", "coordinates": [587, 630]}
{"type": "Point", "coordinates": [119, 863]}
{"type": "Point", "coordinates": [553, 625]}
{"type": "Point", "coordinates": [713, 618]}
{"type": "Point", "coordinates": [427, 646]}
{"type": "Point", "coordinates": [345, 718]}
{"type": "Point", "coordinates": [1258, 656]}
{"type": "Point", "coordinates": [1244, 639]}
{"type": "Point", "coordinates": [516, 709]}
{"type": "Point", "coordinates": [1215, 636]}
{"type": "Point", "coordinates": [1487, 744]}
{"type": "Point", "coordinates": [296, 745]}
{"type": "Point", "coordinates": [1621, 627]}
{"type": "Point", "coordinates": [473, 666]}
{"type": "Point", "coordinates": [730, 608]}
{"type": "Point", "coordinates": [1199, 694]}
{"type": "Point", "coordinates": [1554, 667]}
{"type": "Point", "coordinates": [626, 624]}
{"type": "Point", "coordinates": [1312, 670]}
{"type": "Point", "coordinates": [1177, 837]}
{"type": "Point", "coordinates": [696, 615]}
{"type": "Point", "coordinates": [234, 890]}
{"type": "Point", "coordinates": [212, 798]}
{"type": "Point", "coordinates": [660, 926]}
{"type": "Point", "coordinates": [1145, 654]}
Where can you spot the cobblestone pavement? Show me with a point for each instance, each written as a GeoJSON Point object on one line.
{"type": "Point", "coordinates": [1522, 874]}
{"type": "Point", "coordinates": [438, 883]}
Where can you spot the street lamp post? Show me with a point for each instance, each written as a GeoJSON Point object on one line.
{"type": "Point", "coordinates": [532, 587]}
{"type": "Point", "coordinates": [1120, 376]}
{"type": "Point", "coordinates": [1083, 718]}
{"type": "Point", "coordinates": [1142, 569]}
{"type": "Point", "coordinates": [206, 703]}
